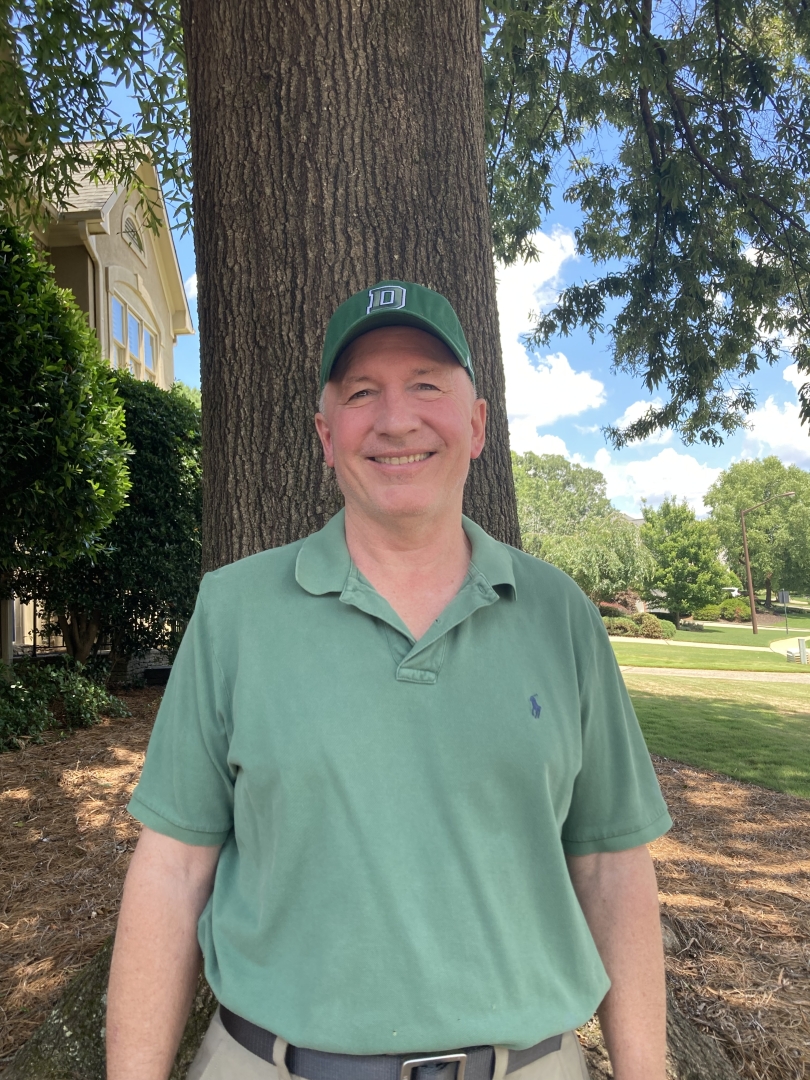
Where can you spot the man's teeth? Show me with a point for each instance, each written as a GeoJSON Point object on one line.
{"type": "Point", "coordinates": [402, 460]}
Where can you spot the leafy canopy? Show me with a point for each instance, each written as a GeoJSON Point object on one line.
{"type": "Point", "coordinates": [140, 592]}
{"type": "Point", "coordinates": [684, 133]}
{"type": "Point", "coordinates": [778, 533]}
{"type": "Point", "coordinates": [57, 62]}
{"type": "Point", "coordinates": [681, 130]}
{"type": "Point", "coordinates": [688, 573]}
{"type": "Point", "coordinates": [555, 496]}
{"type": "Point", "coordinates": [566, 518]}
{"type": "Point", "coordinates": [63, 472]}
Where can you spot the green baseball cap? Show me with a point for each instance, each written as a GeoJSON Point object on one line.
{"type": "Point", "coordinates": [394, 303]}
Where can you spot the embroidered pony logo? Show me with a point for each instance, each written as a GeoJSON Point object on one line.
{"type": "Point", "coordinates": [537, 708]}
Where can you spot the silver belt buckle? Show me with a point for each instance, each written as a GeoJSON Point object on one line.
{"type": "Point", "coordinates": [417, 1063]}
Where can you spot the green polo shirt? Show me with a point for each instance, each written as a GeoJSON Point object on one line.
{"type": "Point", "coordinates": [395, 814]}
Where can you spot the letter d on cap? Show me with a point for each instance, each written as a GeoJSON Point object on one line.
{"type": "Point", "coordinates": [386, 296]}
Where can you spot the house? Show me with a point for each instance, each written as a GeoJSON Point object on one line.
{"type": "Point", "coordinates": [127, 279]}
{"type": "Point", "coordinates": [123, 275]}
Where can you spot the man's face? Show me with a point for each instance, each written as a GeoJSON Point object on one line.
{"type": "Point", "coordinates": [400, 423]}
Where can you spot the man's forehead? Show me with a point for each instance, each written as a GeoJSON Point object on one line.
{"type": "Point", "coordinates": [427, 352]}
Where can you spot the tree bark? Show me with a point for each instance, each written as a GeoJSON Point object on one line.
{"type": "Point", "coordinates": [335, 143]}
{"type": "Point", "coordinates": [79, 629]}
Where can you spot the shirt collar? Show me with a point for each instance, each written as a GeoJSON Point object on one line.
{"type": "Point", "coordinates": [323, 563]}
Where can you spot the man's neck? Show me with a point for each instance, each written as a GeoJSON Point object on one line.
{"type": "Point", "coordinates": [417, 564]}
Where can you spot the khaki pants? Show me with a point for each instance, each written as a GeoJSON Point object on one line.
{"type": "Point", "coordinates": [221, 1057]}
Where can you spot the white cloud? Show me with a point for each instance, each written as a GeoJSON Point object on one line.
{"type": "Point", "coordinates": [539, 390]}
{"type": "Point", "coordinates": [666, 474]}
{"type": "Point", "coordinates": [526, 287]}
{"type": "Point", "coordinates": [635, 412]}
{"type": "Point", "coordinates": [523, 436]}
{"type": "Point", "coordinates": [796, 378]}
{"type": "Point", "coordinates": [190, 285]}
{"type": "Point", "coordinates": [548, 391]}
{"type": "Point", "coordinates": [775, 429]}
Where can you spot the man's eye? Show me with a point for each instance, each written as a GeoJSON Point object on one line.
{"type": "Point", "coordinates": [426, 386]}
{"type": "Point", "coordinates": [359, 394]}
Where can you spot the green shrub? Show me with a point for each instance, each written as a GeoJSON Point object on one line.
{"type": "Point", "coordinates": [708, 611]}
{"type": "Point", "coordinates": [23, 715]}
{"type": "Point", "coordinates": [612, 611]}
{"type": "Point", "coordinates": [651, 626]}
{"type": "Point", "coordinates": [735, 609]}
{"type": "Point", "coordinates": [63, 462]}
{"type": "Point", "coordinates": [43, 696]}
{"type": "Point", "coordinates": [621, 627]}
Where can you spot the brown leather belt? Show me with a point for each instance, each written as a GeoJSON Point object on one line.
{"type": "Point", "coordinates": [471, 1063]}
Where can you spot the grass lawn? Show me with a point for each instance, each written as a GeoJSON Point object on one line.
{"type": "Point", "coordinates": [636, 654]}
{"type": "Point", "coordinates": [730, 635]}
{"type": "Point", "coordinates": [802, 622]}
{"type": "Point", "coordinates": [759, 733]}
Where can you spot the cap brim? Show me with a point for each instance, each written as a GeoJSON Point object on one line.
{"type": "Point", "coordinates": [375, 321]}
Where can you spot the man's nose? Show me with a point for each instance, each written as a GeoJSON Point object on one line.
{"type": "Point", "coordinates": [396, 416]}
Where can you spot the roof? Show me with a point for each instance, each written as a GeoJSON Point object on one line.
{"type": "Point", "coordinates": [91, 195]}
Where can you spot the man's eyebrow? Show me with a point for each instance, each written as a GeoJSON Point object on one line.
{"type": "Point", "coordinates": [361, 377]}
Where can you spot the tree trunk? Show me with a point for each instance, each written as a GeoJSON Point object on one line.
{"type": "Point", "coordinates": [768, 596]}
{"type": "Point", "coordinates": [79, 631]}
{"type": "Point", "coordinates": [334, 144]}
{"type": "Point", "coordinates": [6, 636]}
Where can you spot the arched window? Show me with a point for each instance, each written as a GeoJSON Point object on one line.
{"type": "Point", "coordinates": [131, 232]}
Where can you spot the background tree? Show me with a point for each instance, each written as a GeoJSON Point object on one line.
{"type": "Point", "coordinates": [63, 468]}
{"type": "Point", "coordinates": [139, 592]}
{"type": "Point", "coordinates": [605, 556]}
{"type": "Point", "coordinates": [566, 518]}
{"type": "Point", "coordinates": [778, 533]}
{"type": "Point", "coordinates": [555, 496]}
{"type": "Point", "coordinates": [688, 573]}
{"type": "Point", "coordinates": [686, 131]}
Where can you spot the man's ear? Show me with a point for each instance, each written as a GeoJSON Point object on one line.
{"type": "Point", "coordinates": [479, 427]}
{"type": "Point", "coordinates": [325, 435]}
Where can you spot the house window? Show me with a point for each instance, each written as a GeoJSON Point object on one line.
{"type": "Point", "coordinates": [149, 350]}
{"type": "Point", "coordinates": [135, 345]}
{"type": "Point", "coordinates": [132, 235]}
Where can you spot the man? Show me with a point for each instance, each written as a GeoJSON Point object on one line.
{"type": "Point", "coordinates": [396, 788]}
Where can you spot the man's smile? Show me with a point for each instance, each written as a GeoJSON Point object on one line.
{"type": "Point", "coordinates": [404, 459]}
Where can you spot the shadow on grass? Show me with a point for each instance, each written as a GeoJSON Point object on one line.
{"type": "Point", "coordinates": [753, 742]}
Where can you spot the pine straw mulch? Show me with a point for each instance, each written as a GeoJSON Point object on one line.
{"type": "Point", "coordinates": [66, 843]}
{"type": "Point", "coordinates": [734, 880]}
{"type": "Point", "coordinates": [733, 876]}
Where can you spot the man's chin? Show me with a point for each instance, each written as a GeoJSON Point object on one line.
{"type": "Point", "coordinates": [406, 505]}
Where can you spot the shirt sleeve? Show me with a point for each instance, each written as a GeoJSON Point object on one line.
{"type": "Point", "coordinates": [616, 803]}
{"type": "Point", "coordinates": [186, 787]}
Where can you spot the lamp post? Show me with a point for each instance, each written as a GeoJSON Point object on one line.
{"type": "Point", "coordinates": [751, 599]}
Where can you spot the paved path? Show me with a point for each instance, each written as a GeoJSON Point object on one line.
{"type": "Point", "coordinates": [777, 627]}
{"type": "Point", "coordinates": [741, 676]}
{"type": "Point", "coordinates": [692, 644]}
